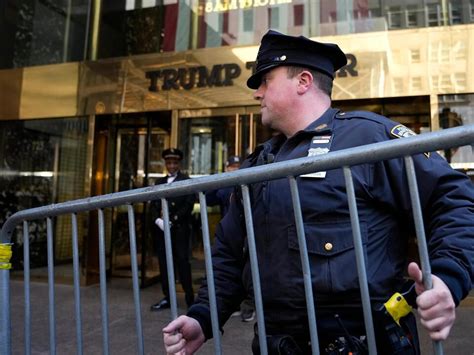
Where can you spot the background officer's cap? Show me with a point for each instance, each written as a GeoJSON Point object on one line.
{"type": "Point", "coordinates": [172, 153]}
{"type": "Point", "coordinates": [233, 159]}
{"type": "Point", "coordinates": [278, 49]}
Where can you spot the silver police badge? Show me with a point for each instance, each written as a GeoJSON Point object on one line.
{"type": "Point", "coordinates": [317, 151]}
{"type": "Point", "coordinates": [314, 152]}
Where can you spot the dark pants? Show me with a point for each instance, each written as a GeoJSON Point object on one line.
{"type": "Point", "coordinates": [180, 241]}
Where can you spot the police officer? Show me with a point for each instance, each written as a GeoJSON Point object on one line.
{"type": "Point", "coordinates": [222, 196]}
{"type": "Point", "coordinates": [180, 209]}
{"type": "Point", "coordinates": [293, 82]}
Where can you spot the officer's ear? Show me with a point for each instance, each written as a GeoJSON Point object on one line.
{"type": "Point", "coordinates": [305, 81]}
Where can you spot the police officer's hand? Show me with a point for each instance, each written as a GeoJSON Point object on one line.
{"type": "Point", "coordinates": [436, 307]}
{"type": "Point", "coordinates": [183, 336]}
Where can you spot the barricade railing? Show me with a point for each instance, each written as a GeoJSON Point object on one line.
{"type": "Point", "coordinates": [406, 147]}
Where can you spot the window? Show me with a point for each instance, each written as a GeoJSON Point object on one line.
{"type": "Point", "coordinates": [460, 81]}
{"type": "Point", "coordinates": [412, 16]}
{"type": "Point", "coordinates": [274, 17]}
{"type": "Point", "coordinates": [248, 20]}
{"type": "Point", "coordinates": [394, 17]}
{"type": "Point", "coordinates": [454, 13]}
{"type": "Point", "coordinates": [397, 85]}
{"type": "Point", "coordinates": [435, 82]}
{"type": "Point", "coordinates": [298, 15]}
{"type": "Point", "coordinates": [415, 83]}
{"type": "Point", "coordinates": [415, 56]}
{"type": "Point", "coordinates": [459, 50]}
{"type": "Point", "coordinates": [434, 15]}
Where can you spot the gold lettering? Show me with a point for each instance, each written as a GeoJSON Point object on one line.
{"type": "Point", "coordinates": [245, 4]}
{"type": "Point", "coordinates": [257, 3]}
{"type": "Point", "coordinates": [233, 5]}
{"type": "Point", "coordinates": [227, 5]}
{"type": "Point", "coordinates": [220, 7]}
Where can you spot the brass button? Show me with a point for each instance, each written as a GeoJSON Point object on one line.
{"type": "Point", "coordinates": [328, 246]}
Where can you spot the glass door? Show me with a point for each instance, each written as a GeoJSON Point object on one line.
{"type": "Point", "coordinates": [208, 137]}
{"type": "Point", "coordinates": [138, 163]}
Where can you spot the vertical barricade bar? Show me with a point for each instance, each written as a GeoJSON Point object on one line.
{"type": "Point", "coordinates": [5, 324]}
{"type": "Point", "coordinates": [26, 285]}
{"type": "Point", "coordinates": [262, 338]}
{"type": "Point", "coordinates": [103, 284]}
{"type": "Point", "coordinates": [52, 318]}
{"type": "Point", "coordinates": [136, 291]}
{"type": "Point", "coordinates": [420, 235]}
{"type": "Point", "coordinates": [77, 290]}
{"type": "Point", "coordinates": [169, 259]}
{"type": "Point", "coordinates": [308, 287]}
{"type": "Point", "coordinates": [361, 270]}
{"type": "Point", "coordinates": [210, 275]}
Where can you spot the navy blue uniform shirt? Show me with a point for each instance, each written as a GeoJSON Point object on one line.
{"type": "Point", "coordinates": [447, 201]}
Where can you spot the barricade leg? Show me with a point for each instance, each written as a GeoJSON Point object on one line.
{"type": "Point", "coordinates": [262, 338]}
{"type": "Point", "coordinates": [308, 286]}
{"type": "Point", "coordinates": [361, 269]}
{"type": "Point", "coordinates": [77, 292]}
{"type": "Point", "coordinates": [26, 285]}
{"type": "Point", "coordinates": [169, 260]}
{"type": "Point", "coordinates": [103, 284]}
{"type": "Point", "coordinates": [5, 325]}
{"type": "Point", "coordinates": [136, 291]}
{"type": "Point", "coordinates": [52, 317]}
{"type": "Point", "coordinates": [210, 275]}
{"type": "Point", "coordinates": [420, 235]}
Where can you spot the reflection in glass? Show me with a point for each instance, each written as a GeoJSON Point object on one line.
{"type": "Point", "coordinates": [36, 32]}
{"type": "Point", "coordinates": [207, 142]}
{"type": "Point", "coordinates": [42, 162]}
{"type": "Point", "coordinates": [457, 110]}
{"type": "Point", "coordinates": [135, 27]}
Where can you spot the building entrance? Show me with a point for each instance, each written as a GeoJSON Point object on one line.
{"type": "Point", "coordinates": [127, 155]}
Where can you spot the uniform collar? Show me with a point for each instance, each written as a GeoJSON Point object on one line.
{"type": "Point", "coordinates": [323, 124]}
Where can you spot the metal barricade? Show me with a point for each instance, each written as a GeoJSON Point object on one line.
{"type": "Point", "coordinates": [344, 159]}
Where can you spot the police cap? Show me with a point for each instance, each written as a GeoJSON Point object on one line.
{"type": "Point", "coordinates": [172, 153]}
{"type": "Point", "coordinates": [233, 159]}
{"type": "Point", "coordinates": [278, 49]}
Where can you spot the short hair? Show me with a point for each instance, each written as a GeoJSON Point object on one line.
{"type": "Point", "coordinates": [322, 81]}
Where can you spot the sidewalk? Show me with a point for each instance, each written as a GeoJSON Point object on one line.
{"type": "Point", "coordinates": [122, 335]}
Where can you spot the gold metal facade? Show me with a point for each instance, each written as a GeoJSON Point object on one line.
{"type": "Point", "coordinates": [426, 61]}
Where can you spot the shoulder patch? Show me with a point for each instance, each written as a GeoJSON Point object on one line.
{"type": "Point", "coordinates": [401, 131]}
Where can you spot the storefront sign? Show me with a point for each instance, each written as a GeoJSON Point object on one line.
{"type": "Point", "coordinates": [228, 5]}
{"type": "Point", "coordinates": [219, 75]}
{"type": "Point", "coordinates": [188, 78]}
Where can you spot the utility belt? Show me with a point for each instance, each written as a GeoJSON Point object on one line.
{"type": "Point", "coordinates": [394, 325]}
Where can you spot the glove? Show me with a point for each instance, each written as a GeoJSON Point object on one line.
{"type": "Point", "coordinates": [160, 224]}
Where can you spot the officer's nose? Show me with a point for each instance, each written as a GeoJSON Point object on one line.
{"type": "Point", "coordinates": [258, 94]}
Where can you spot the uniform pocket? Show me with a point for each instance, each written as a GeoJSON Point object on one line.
{"type": "Point", "coordinates": [331, 254]}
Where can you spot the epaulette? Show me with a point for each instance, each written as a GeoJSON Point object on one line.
{"type": "Point", "coordinates": [251, 159]}
{"type": "Point", "coordinates": [366, 115]}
